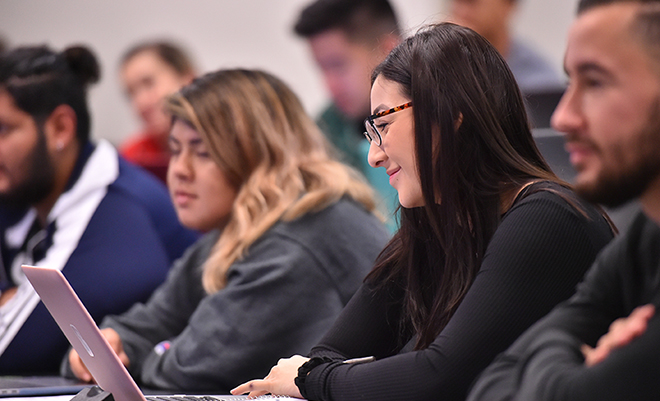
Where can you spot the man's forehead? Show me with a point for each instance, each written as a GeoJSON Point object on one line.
{"type": "Point", "coordinates": [6, 100]}
{"type": "Point", "coordinates": [602, 35]}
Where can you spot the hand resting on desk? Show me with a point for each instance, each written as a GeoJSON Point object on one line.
{"type": "Point", "coordinates": [78, 367]}
{"type": "Point", "coordinates": [279, 381]}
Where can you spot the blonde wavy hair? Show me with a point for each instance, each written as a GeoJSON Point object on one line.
{"type": "Point", "coordinates": [258, 133]}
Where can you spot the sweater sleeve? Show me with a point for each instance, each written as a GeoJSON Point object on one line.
{"type": "Point", "coordinates": [552, 368]}
{"type": "Point", "coordinates": [546, 363]}
{"type": "Point", "coordinates": [276, 303]}
{"type": "Point", "coordinates": [367, 326]}
{"type": "Point", "coordinates": [534, 260]}
{"type": "Point", "coordinates": [167, 312]}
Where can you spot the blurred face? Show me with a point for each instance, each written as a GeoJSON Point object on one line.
{"type": "Point", "coordinates": [397, 151]}
{"type": "Point", "coordinates": [610, 112]}
{"type": "Point", "coordinates": [346, 67]}
{"type": "Point", "coordinates": [203, 196]}
{"type": "Point", "coordinates": [486, 17]}
{"type": "Point", "coordinates": [27, 174]}
{"type": "Point", "coordinates": [147, 79]}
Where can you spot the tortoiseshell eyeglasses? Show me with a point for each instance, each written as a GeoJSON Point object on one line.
{"type": "Point", "coordinates": [372, 134]}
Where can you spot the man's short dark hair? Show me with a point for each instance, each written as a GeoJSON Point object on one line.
{"type": "Point", "coordinates": [361, 20]}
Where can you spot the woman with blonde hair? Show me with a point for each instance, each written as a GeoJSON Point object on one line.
{"type": "Point", "coordinates": [291, 234]}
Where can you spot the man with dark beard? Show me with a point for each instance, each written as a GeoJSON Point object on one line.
{"type": "Point", "coordinates": [71, 205]}
{"type": "Point", "coordinates": [603, 343]}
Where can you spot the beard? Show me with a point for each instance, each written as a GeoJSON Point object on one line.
{"type": "Point", "coordinates": [618, 184]}
{"type": "Point", "coordinates": [39, 178]}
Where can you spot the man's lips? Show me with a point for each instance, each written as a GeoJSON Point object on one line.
{"type": "Point", "coordinates": [578, 152]}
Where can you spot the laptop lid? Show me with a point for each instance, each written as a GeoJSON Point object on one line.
{"type": "Point", "coordinates": [86, 338]}
{"type": "Point", "coordinates": [83, 334]}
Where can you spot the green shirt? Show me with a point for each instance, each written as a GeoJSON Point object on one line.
{"type": "Point", "coordinates": [347, 137]}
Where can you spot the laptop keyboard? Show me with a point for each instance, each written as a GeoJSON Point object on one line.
{"type": "Point", "coordinates": [190, 398]}
{"type": "Point", "coordinates": [216, 398]}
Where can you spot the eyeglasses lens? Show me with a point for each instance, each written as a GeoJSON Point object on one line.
{"type": "Point", "coordinates": [372, 132]}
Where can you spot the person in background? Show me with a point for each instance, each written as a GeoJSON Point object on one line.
{"type": "Point", "coordinates": [150, 71]}
{"type": "Point", "coordinates": [291, 235]}
{"type": "Point", "coordinates": [588, 348]}
{"type": "Point", "coordinates": [490, 238]}
{"type": "Point", "coordinates": [69, 204]}
{"type": "Point", "coordinates": [348, 38]}
{"type": "Point", "coordinates": [492, 20]}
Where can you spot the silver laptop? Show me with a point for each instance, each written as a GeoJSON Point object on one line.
{"type": "Point", "coordinates": [86, 338]}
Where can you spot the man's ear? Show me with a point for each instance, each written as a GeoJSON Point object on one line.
{"type": "Point", "coordinates": [60, 128]}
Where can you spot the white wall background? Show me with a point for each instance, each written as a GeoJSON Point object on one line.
{"type": "Point", "coordinates": [222, 33]}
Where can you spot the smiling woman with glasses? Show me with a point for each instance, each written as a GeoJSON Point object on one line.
{"type": "Point", "coordinates": [490, 238]}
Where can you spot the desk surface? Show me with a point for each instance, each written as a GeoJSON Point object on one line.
{"type": "Point", "coordinates": [48, 398]}
{"type": "Point", "coordinates": [219, 397]}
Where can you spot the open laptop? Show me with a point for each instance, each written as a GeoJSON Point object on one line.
{"type": "Point", "coordinates": [86, 338]}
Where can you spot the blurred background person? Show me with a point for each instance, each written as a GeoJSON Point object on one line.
{"type": "Point", "coordinates": [150, 71]}
{"type": "Point", "coordinates": [348, 38]}
{"type": "Point", "coordinates": [291, 236]}
{"type": "Point", "coordinates": [69, 204]}
{"type": "Point", "coordinates": [492, 19]}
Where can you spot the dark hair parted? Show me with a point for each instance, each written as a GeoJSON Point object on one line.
{"type": "Point", "coordinates": [364, 20]}
{"type": "Point", "coordinates": [173, 55]}
{"type": "Point", "coordinates": [39, 80]}
{"type": "Point", "coordinates": [472, 143]}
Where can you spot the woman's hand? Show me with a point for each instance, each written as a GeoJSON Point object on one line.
{"type": "Point", "coordinates": [280, 380]}
{"type": "Point", "coordinates": [78, 367]}
{"type": "Point", "coordinates": [622, 331]}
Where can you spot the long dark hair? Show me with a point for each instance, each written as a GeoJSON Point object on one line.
{"type": "Point", "coordinates": [472, 142]}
